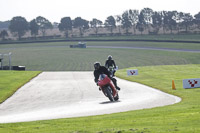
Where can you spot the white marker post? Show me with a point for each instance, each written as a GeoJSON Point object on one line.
{"type": "Point", "coordinates": [132, 72]}
{"type": "Point", "coordinates": [191, 83]}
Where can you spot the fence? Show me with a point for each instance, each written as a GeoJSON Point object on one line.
{"type": "Point", "coordinates": [5, 60]}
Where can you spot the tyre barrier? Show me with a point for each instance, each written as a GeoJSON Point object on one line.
{"type": "Point", "coordinates": [20, 68]}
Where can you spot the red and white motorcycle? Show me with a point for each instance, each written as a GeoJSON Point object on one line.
{"type": "Point", "coordinates": [108, 88]}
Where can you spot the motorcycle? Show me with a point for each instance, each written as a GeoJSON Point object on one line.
{"type": "Point", "coordinates": [112, 70]}
{"type": "Point", "coordinates": [107, 87]}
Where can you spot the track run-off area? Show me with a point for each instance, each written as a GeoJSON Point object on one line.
{"type": "Point", "coordinates": [53, 95]}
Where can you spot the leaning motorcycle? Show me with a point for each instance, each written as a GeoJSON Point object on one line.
{"type": "Point", "coordinates": [107, 87]}
{"type": "Point", "coordinates": [112, 70]}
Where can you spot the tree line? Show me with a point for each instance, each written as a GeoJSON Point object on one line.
{"type": "Point", "coordinates": [145, 19]}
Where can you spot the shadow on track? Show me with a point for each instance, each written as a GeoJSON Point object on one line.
{"type": "Point", "coordinates": [109, 102]}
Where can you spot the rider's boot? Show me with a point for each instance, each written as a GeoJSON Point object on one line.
{"type": "Point", "coordinates": [117, 88]}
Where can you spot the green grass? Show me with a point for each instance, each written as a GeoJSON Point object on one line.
{"type": "Point", "coordinates": [156, 69]}
{"type": "Point", "coordinates": [108, 43]}
{"type": "Point", "coordinates": [191, 46]}
{"type": "Point", "coordinates": [59, 57]}
{"type": "Point", "coordinates": [10, 81]}
{"type": "Point", "coordinates": [191, 37]}
{"type": "Point", "coordinates": [183, 117]}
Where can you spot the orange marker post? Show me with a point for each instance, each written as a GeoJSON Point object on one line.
{"type": "Point", "coordinates": [173, 85]}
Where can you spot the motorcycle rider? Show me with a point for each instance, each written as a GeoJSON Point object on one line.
{"type": "Point", "coordinates": [110, 63]}
{"type": "Point", "coordinates": [102, 70]}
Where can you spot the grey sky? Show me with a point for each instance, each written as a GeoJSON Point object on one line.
{"type": "Point", "coordinates": [54, 10]}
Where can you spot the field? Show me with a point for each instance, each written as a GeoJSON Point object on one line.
{"type": "Point", "coordinates": [178, 37]}
{"type": "Point", "coordinates": [58, 56]}
{"type": "Point", "coordinates": [157, 68]}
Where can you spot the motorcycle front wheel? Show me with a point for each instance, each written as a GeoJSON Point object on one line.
{"type": "Point", "coordinates": [109, 94]}
{"type": "Point", "coordinates": [116, 98]}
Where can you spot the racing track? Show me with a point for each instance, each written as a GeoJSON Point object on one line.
{"type": "Point", "coordinates": [53, 95]}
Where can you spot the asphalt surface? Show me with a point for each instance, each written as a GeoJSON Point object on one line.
{"type": "Point", "coordinates": [149, 48]}
{"type": "Point", "coordinates": [120, 47]}
{"type": "Point", "coordinates": [53, 95]}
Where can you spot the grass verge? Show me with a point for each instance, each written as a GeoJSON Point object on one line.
{"type": "Point", "coordinates": [180, 118]}
{"type": "Point", "coordinates": [10, 81]}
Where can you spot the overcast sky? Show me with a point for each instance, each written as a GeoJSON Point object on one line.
{"type": "Point", "coordinates": [54, 10]}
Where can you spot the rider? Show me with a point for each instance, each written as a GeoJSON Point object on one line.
{"type": "Point", "coordinates": [110, 63]}
{"type": "Point", "coordinates": [102, 70]}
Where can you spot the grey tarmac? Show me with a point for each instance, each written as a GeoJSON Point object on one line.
{"type": "Point", "coordinates": [53, 95]}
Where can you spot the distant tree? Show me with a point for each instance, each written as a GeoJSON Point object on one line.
{"type": "Point", "coordinates": [126, 21]}
{"type": "Point", "coordinates": [197, 20]}
{"type": "Point", "coordinates": [187, 21]}
{"type": "Point", "coordinates": [119, 22]}
{"type": "Point", "coordinates": [44, 24]}
{"type": "Point", "coordinates": [3, 34]}
{"type": "Point", "coordinates": [141, 23]}
{"type": "Point", "coordinates": [133, 16]}
{"type": "Point", "coordinates": [19, 26]}
{"type": "Point", "coordinates": [178, 17]}
{"type": "Point", "coordinates": [96, 24]}
{"type": "Point", "coordinates": [110, 23]}
{"type": "Point", "coordinates": [147, 13]}
{"type": "Point", "coordinates": [156, 21]}
{"type": "Point", "coordinates": [169, 21]}
{"type": "Point", "coordinates": [34, 27]}
{"type": "Point", "coordinates": [164, 26]}
{"type": "Point", "coordinates": [81, 24]}
{"type": "Point", "coordinates": [140, 27]}
{"type": "Point", "coordinates": [65, 25]}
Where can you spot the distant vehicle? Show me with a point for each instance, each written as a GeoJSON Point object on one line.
{"type": "Point", "coordinates": [79, 45]}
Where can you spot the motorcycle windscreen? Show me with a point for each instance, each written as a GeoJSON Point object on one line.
{"type": "Point", "coordinates": [103, 80]}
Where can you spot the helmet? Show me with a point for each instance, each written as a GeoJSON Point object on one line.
{"type": "Point", "coordinates": [109, 57]}
{"type": "Point", "coordinates": [97, 65]}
